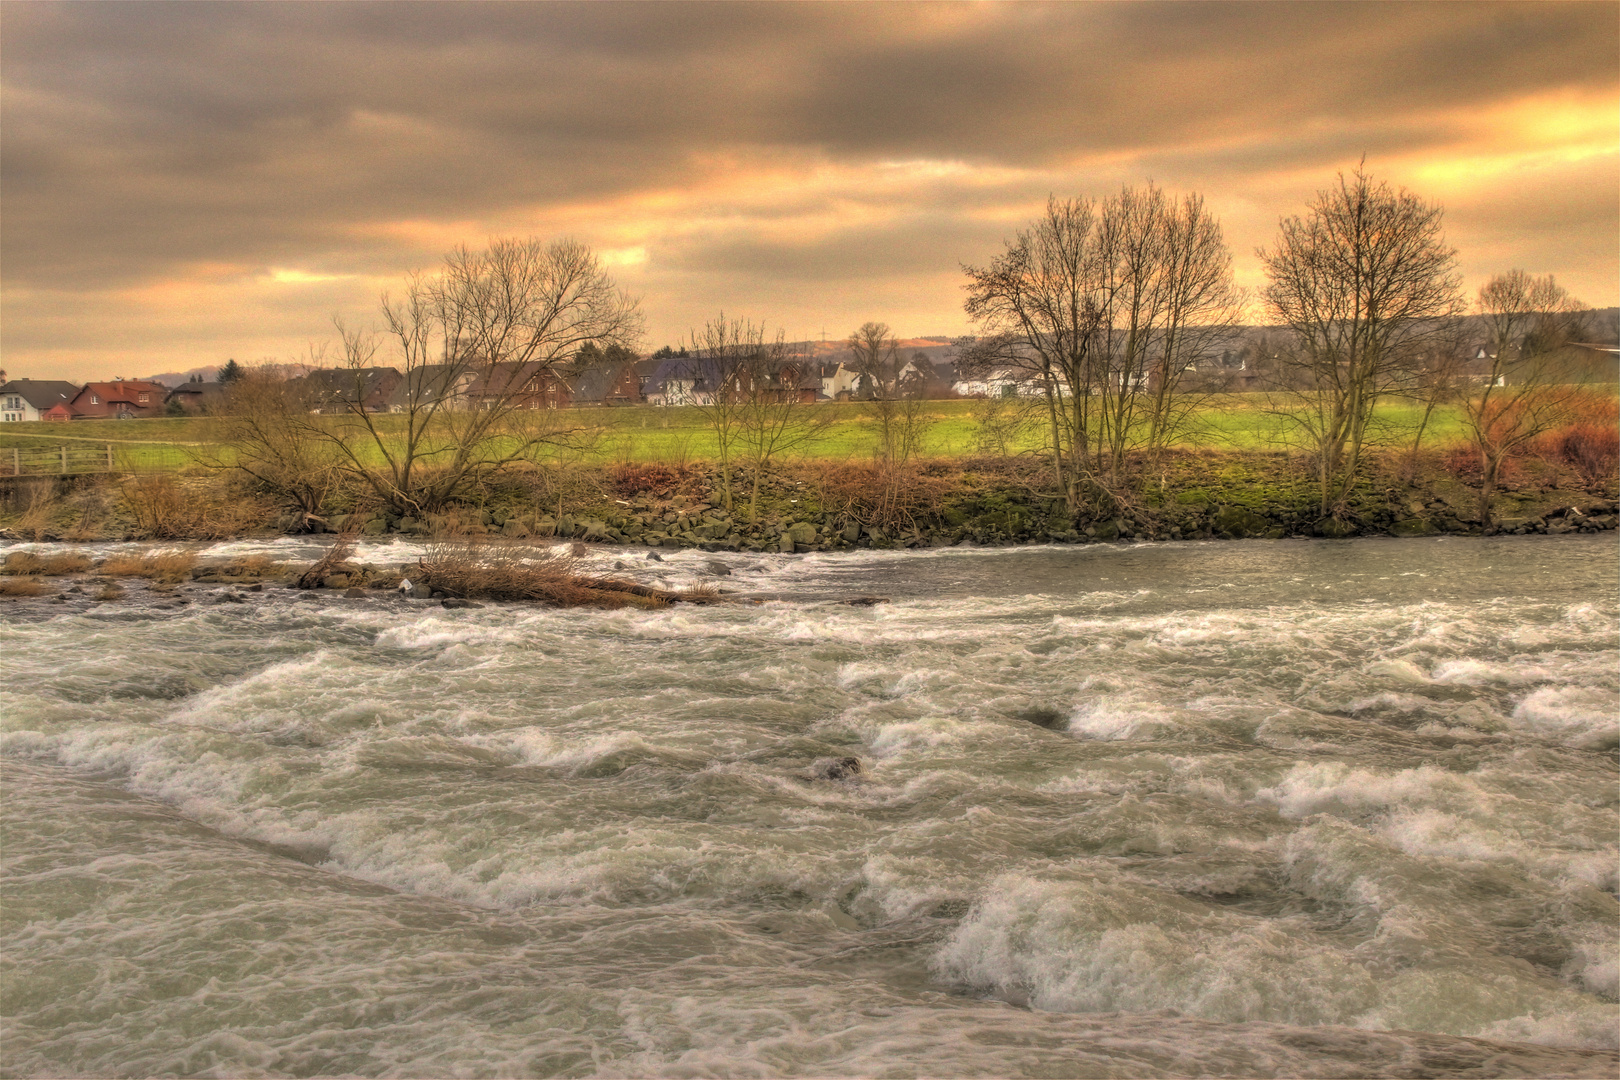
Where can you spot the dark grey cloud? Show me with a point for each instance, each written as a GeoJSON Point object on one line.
{"type": "Point", "coordinates": [142, 141]}
{"type": "Point", "coordinates": [138, 136]}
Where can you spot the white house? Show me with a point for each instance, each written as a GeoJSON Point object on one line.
{"type": "Point", "coordinates": [22, 400]}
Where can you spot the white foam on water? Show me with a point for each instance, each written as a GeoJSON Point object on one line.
{"type": "Point", "coordinates": [1581, 716]}
{"type": "Point", "coordinates": [1213, 833]}
{"type": "Point", "coordinates": [1086, 946]}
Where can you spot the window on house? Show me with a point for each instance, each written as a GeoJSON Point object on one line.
{"type": "Point", "coordinates": [94, 400]}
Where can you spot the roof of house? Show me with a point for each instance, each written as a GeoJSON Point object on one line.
{"type": "Point", "coordinates": [41, 393]}
{"type": "Point", "coordinates": [125, 390]}
{"type": "Point", "coordinates": [429, 383]}
{"type": "Point", "coordinates": [345, 384]}
{"type": "Point", "coordinates": [208, 391]}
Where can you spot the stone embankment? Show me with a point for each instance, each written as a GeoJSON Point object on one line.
{"type": "Point", "coordinates": [998, 518]}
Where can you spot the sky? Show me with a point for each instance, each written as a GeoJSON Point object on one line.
{"type": "Point", "coordinates": [182, 183]}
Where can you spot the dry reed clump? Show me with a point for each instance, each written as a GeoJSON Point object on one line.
{"type": "Point", "coordinates": [109, 592]}
{"type": "Point", "coordinates": [20, 563]}
{"type": "Point", "coordinates": [886, 496]}
{"type": "Point", "coordinates": [165, 508]}
{"type": "Point", "coordinates": [36, 504]}
{"type": "Point", "coordinates": [164, 566]}
{"type": "Point", "coordinates": [1591, 450]}
{"type": "Point", "coordinates": [23, 586]}
{"type": "Point", "coordinates": [489, 571]}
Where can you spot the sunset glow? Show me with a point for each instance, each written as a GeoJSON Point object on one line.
{"type": "Point", "coordinates": [187, 183]}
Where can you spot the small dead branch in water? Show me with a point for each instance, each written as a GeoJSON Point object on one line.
{"type": "Point", "coordinates": [333, 562]}
{"type": "Point", "coordinates": [481, 570]}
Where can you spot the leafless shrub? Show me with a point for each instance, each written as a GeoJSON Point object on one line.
{"type": "Point", "coordinates": [39, 510]}
{"type": "Point", "coordinates": [333, 562]}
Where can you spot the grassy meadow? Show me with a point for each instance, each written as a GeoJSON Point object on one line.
{"type": "Point", "coordinates": [1239, 422]}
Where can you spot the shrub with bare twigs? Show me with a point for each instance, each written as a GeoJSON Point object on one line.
{"type": "Point", "coordinates": [335, 561]}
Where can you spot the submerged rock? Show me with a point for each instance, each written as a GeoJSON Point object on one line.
{"type": "Point", "coordinates": [457, 602]}
{"type": "Point", "coordinates": [866, 601]}
{"type": "Point", "coordinates": [1042, 716]}
{"type": "Point", "coordinates": [835, 768]}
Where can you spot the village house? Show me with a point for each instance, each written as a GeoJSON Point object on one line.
{"type": "Point", "coordinates": [196, 398]}
{"type": "Point", "coordinates": [121, 399]}
{"type": "Point", "coordinates": [23, 400]}
{"type": "Point", "coordinates": [700, 381]}
{"type": "Point", "coordinates": [444, 386]}
{"type": "Point", "coordinates": [1000, 382]}
{"type": "Point", "coordinates": [841, 382]}
{"type": "Point", "coordinates": [531, 385]}
{"type": "Point", "coordinates": [341, 390]}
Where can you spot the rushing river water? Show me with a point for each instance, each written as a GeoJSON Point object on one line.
{"type": "Point", "coordinates": [1282, 790]}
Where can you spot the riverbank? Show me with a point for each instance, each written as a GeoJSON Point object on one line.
{"type": "Point", "coordinates": [827, 506]}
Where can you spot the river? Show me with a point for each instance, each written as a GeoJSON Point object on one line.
{"type": "Point", "coordinates": [1153, 810]}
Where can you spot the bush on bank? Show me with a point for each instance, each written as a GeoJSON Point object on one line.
{"type": "Point", "coordinates": [821, 505]}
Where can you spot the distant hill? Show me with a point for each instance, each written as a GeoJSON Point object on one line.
{"type": "Point", "coordinates": [172, 379]}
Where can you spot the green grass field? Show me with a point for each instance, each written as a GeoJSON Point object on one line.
{"type": "Point", "coordinates": [648, 434]}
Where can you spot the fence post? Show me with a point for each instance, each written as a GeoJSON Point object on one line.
{"type": "Point", "coordinates": [109, 457]}
{"type": "Point", "coordinates": [64, 459]}
{"type": "Point", "coordinates": [16, 461]}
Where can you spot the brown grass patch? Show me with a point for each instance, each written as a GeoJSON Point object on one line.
{"type": "Point", "coordinates": [166, 508]}
{"type": "Point", "coordinates": [109, 592]}
{"type": "Point", "coordinates": [169, 566]}
{"type": "Point", "coordinates": [23, 586]}
{"type": "Point", "coordinates": [40, 504]}
{"type": "Point", "coordinates": [253, 566]}
{"type": "Point", "coordinates": [494, 571]}
{"type": "Point", "coordinates": [638, 477]}
{"type": "Point", "coordinates": [20, 563]}
{"type": "Point", "coordinates": [889, 497]}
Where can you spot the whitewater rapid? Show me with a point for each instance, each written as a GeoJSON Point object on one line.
{"type": "Point", "coordinates": [1160, 809]}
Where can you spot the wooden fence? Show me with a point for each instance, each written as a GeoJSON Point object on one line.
{"type": "Point", "coordinates": [64, 459]}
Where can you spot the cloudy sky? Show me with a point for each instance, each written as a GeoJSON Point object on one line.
{"type": "Point", "coordinates": [187, 182]}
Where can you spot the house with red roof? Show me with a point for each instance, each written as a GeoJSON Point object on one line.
{"type": "Point", "coordinates": [121, 399]}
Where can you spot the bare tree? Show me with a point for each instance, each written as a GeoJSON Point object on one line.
{"type": "Point", "coordinates": [1105, 307]}
{"type": "Point", "coordinates": [1436, 380]}
{"type": "Point", "coordinates": [275, 440]}
{"type": "Point", "coordinates": [480, 344]}
{"type": "Point", "coordinates": [1522, 393]}
{"type": "Point", "coordinates": [776, 410]}
{"type": "Point", "coordinates": [1365, 282]}
{"type": "Point", "coordinates": [710, 381]}
{"type": "Point", "coordinates": [896, 391]}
